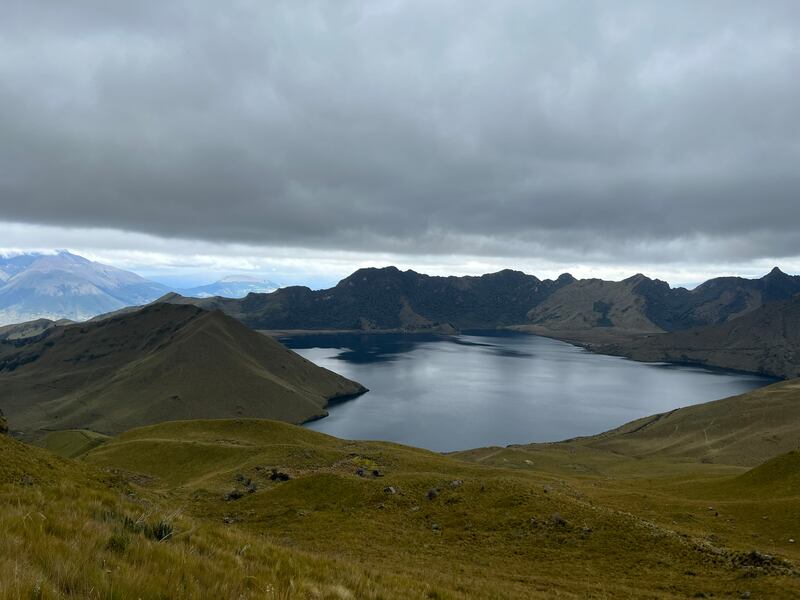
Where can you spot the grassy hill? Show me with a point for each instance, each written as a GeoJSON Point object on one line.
{"type": "Point", "coordinates": [28, 329]}
{"type": "Point", "coordinates": [73, 442]}
{"type": "Point", "coordinates": [743, 430]}
{"type": "Point", "coordinates": [674, 506]}
{"type": "Point", "coordinates": [72, 531]}
{"type": "Point", "coordinates": [485, 524]}
{"type": "Point", "coordinates": [591, 303]}
{"type": "Point", "coordinates": [164, 362]}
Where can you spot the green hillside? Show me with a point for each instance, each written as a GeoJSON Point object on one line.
{"type": "Point", "coordinates": [486, 524]}
{"type": "Point", "coordinates": [164, 362]}
{"type": "Point", "coordinates": [700, 502]}
{"type": "Point", "coordinates": [744, 430]}
{"type": "Point", "coordinates": [72, 531]}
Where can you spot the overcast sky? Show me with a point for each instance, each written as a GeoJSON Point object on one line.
{"type": "Point", "coordinates": [306, 139]}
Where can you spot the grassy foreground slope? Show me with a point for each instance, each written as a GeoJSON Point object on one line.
{"type": "Point", "coordinates": [462, 527]}
{"type": "Point", "coordinates": [164, 362]}
{"type": "Point", "coordinates": [72, 531]}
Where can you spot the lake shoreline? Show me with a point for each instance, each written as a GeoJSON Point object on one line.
{"type": "Point", "coordinates": [598, 340]}
{"type": "Point", "coordinates": [498, 387]}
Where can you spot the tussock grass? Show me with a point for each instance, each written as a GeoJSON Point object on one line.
{"type": "Point", "coordinates": [70, 532]}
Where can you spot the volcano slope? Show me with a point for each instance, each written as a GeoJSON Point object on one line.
{"type": "Point", "coordinates": [569, 520]}
{"type": "Point", "coordinates": [164, 362]}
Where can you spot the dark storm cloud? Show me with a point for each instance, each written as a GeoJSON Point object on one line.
{"type": "Point", "coordinates": [572, 128]}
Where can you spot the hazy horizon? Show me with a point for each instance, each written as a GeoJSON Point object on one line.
{"type": "Point", "coordinates": [178, 280]}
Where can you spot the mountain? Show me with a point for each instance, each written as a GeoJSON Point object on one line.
{"type": "Point", "coordinates": [649, 305]}
{"type": "Point", "coordinates": [63, 285]}
{"type": "Point", "coordinates": [28, 329]}
{"type": "Point", "coordinates": [390, 299]}
{"type": "Point", "coordinates": [161, 363]}
{"type": "Point", "coordinates": [764, 340]}
{"type": "Point", "coordinates": [233, 286]}
{"type": "Point", "coordinates": [590, 303]}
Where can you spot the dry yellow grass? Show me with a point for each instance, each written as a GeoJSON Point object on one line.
{"type": "Point", "coordinates": [69, 531]}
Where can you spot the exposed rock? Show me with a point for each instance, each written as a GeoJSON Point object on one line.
{"type": "Point", "coordinates": [557, 520]}
{"type": "Point", "coordinates": [233, 495]}
{"type": "Point", "coordinates": [456, 483]}
{"type": "Point", "coordinates": [433, 493]}
{"type": "Point", "coordinates": [276, 475]}
{"type": "Point", "coordinates": [390, 490]}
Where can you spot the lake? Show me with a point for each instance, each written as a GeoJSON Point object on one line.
{"type": "Point", "coordinates": [497, 388]}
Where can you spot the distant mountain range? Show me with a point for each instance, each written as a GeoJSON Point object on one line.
{"type": "Point", "coordinates": [618, 317]}
{"type": "Point", "coordinates": [63, 285]}
{"type": "Point", "coordinates": [67, 286]}
{"type": "Point", "coordinates": [390, 299]}
{"type": "Point", "coordinates": [163, 362]}
{"type": "Point", "coordinates": [730, 322]}
{"type": "Point", "coordinates": [233, 286]}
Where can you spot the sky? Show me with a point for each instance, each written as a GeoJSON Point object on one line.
{"type": "Point", "coordinates": [303, 140]}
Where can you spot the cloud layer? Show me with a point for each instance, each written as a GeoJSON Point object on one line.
{"type": "Point", "coordinates": [595, 131]}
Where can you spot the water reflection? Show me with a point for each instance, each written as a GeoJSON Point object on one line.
{"type": "Point", "coordinates": [449, 393]}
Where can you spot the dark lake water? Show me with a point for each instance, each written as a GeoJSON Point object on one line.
{"type": "Point", "coordinates": [468, 391]}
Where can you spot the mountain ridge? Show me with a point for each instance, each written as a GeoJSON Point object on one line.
{"type": "Point", "coordinates": [64, 285]}
{"type": "Point", "coordinates": [389, 299]}
{"type": "Point", "coordinates": [765, 340]}
{"type": "Point", "coordinates": [160, 363]}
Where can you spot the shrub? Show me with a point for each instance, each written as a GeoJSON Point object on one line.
{"type": "Point", "coordinates": [160, 531]}
{"type": "Point", "coordinates": [118, 542]}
